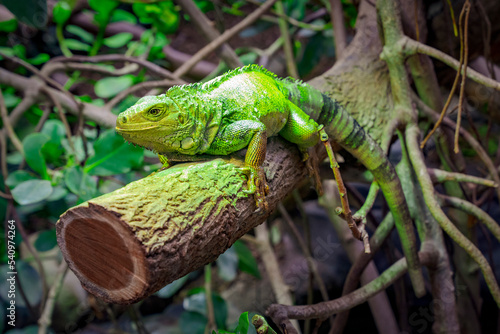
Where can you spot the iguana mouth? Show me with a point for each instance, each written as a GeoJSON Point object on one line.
{"type": "Point", "coordinates": [118, 129]}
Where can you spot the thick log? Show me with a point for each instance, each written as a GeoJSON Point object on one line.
{"type": "Point", "coordinates": [125, 245]}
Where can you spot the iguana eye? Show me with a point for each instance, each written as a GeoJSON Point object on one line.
{"type": "Point", "coordinates": [154, 111]}
{"type": "Point", "coordinates": [181, 118]}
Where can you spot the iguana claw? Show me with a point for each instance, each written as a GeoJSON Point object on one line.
{"type": "Point", "coordinates": [257, 185]}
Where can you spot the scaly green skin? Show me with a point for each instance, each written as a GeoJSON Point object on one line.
{"type": "Point", "coordinates": [244, 107]}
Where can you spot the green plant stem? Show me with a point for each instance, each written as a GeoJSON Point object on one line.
{"type": "Point", "coordinates": [425, 181]}
{"type": "Point", "coordinates": [439, 175]}
{"type": "Point", "coordinates": [62, 41]}
{"type": "Point", "coordinates": [99, 39]}
{"type": "Point", "coordinates": [287, 46]}
{"type": "Point", "coordinates": [473, 210]}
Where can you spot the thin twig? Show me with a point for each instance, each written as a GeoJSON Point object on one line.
{"type": "Point", "coordinates": [291, 64]}
{"type": "Point", "coordinates": [425, 182]}
{"type": "Point", "coordinates": [452, 91]}
{"type": "Point", "coordinates": [205, 51]}
{"type": "Point", "coordinates": [116, 57]}
{"type": "Point", "coordinates": [42, 76]}
{"type": "Point", "coordinates": [465, 51]}
{"type": "Point", "coordinates": [143, 85]}
{"type": "Point", "coordinates": [338, 25]}
{"type": "Point", "coordinates": [45, 319]}
{"type": "Point", "coordinates": [280, 289]}
{"type": "Point", "coordinates": [211, 324]}
{"type": "Point", "coordinates": [8, 127]}
{"type": "Point", "coordinates": [469, 138]}
{"type": "Point", "coordinates": [325, 309]}
{"type": "Point", "coordinates": [359, 234]}
{"type": "Point", "coordinates": [439, 175]}
{"type": "Point", "coordinates": [412, 47]}
{"type": "Point", "coordinates": [473, 210]}
{"type": "Point", "coordinates": [358, 267]}
{"type": "Point", "coordinates": [62, 117]}
{"type": "Point", "coordinates": [205, 27]}
{"type": "Point", "coordinates": [311, 263]}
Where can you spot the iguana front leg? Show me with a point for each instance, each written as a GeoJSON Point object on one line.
{"type": "Point", "coordinates": [241, 134]}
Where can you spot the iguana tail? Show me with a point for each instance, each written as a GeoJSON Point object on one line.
{"type": "Point", "coordinates": [345, 130]}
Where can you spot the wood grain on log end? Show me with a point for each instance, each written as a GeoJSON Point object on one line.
{"type": "Point", "coordinates": [92, 234]}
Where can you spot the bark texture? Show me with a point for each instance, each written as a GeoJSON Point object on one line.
{"type": "Point", "coordinates": [125, 245]}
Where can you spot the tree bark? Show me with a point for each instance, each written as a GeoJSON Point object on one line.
{"type": "Point", "coordinates": [125, 245]}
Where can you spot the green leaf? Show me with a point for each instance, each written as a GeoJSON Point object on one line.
{"type": "Point", "coordinates": [163, 15]}
{"type": "Point", "coordinates": [32, 145]}
{"type": "Point", "coordinates": [30, 281]}
{"type": "Point", "coordinates": [198, 303]}
{"type": "Point", "coordinates": [192, 323]}
{"type": "Point", "coordinates": [243, 324]}
{"type": "Point", "coordinates": [39, 59]}
{"type": "Point", "coordinates": [227, 265]}
{"type": "Point", "coordinates": [8, 25]}
{"type": "Point", "coordinates": [113, 155]}
{"type": "Point", "coordinates": [171, 289]}
{"type": "Point", "coordinates": [123, 15]}
{"type": "Point", "coordinates": [46, 240]}
{"type": "Point", "coordinates": [19, 176]}
{"type": "Point", "coordinates": [118, 40]}
{"type": "Point", "coordinates": [80, 183]}
{"type": "Point", "coordinates": [110, 86]}
{"type": "Point", "coordinates": [53, 149]}
{"type": "Point", "coordinates": [58, 192]}
{"type": "Point", "coordinates": [61, 12]}
{"type": "Point", "coordinates": [32, 191]}
{"type": "Point", "coordinates": [31, 12]}
{"type": "Point", "coordinates": [10, 98]}
{"type": "Point", "coordinates": [246, 261]}
{"type": "Point", "coordinates": [80, 32]}
{"type": "Point", "coordinates": [76, 45]}
{"type": "Point", "coordinates": [103, 9]}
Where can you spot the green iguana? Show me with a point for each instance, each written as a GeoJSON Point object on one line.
{"type": "Point", "coordinates": [244, 107]}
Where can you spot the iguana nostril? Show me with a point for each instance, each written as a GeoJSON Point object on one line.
{"type": "Point", "coordinates": [123, 119]}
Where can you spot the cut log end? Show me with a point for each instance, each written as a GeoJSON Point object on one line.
{"type": "Point", "coordinates": [104, 253]}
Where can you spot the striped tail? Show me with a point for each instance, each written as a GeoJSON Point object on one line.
{"type": "Point", "coordinates": [346, 131]}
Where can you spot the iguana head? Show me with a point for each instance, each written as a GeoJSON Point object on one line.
{"type": "Point", "coordinates": [158, 123]}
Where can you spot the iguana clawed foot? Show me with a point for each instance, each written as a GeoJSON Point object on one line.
{"type": "Point", "coordinates": [257, 185]}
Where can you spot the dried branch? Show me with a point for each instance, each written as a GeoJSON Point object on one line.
{"type": "Point", "coordinates": [280, 313]}
{"type": "Point", "coordinates": [207, 30]}
{"type": "Point", "coordinates": [469, 138]}
{"type": "Point", "coordinates": [152, 67]}
{"type": "Point", "coordinates": [46, 318]}
{"type": "Point", "coordinates": [473, 210]}
{"type": "Point", "coordinates": [412, 47]}
{"type": "Point", "coordinates": [439, 175]}
{"type": "Point", "coordinates": [281, 290]}
{"type": "Point", "coordinates": [184, 68]}
{"type": "Point", "coordinates": [100, 115]}
{"type": "Point", "coordinates": [425, 182]}
{"type": "Point", "coordinates": [339, 31]}
{"type": "Point", "coordinates": [8, 127]}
